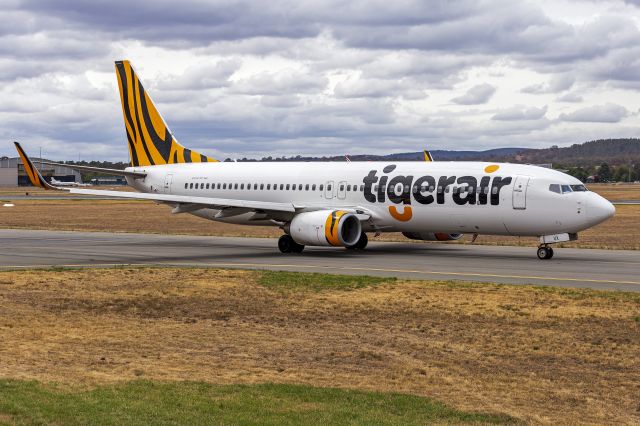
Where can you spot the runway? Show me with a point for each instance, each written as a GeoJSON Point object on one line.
{"type": "Point", "coordinates": [598, 269]}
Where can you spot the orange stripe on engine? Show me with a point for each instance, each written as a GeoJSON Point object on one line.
{"type": "Point", "coordinates": [331, 227]}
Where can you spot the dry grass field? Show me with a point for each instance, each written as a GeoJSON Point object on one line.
{"type": "Point", "coordinates": [541, 355]}
{"type": "Point", "coordinates": [621, 232]}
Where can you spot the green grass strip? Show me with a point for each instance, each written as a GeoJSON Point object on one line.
{"type": "Point", "coordinates": [279, 280]}
{"type": "Point", "coordinates": [195, 403]}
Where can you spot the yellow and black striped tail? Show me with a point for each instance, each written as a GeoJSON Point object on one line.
{"type": "Point", "coordinates": [150, 140]}
{"type": "Point", "coordinates": [427, 156]}
{"type": "Point", "coordinates": [34, 175]}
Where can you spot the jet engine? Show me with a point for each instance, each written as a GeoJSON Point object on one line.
{"type": "Point", "coordinates": [325, 228]}
{"type": "Point", "coordinates": [432, 236]}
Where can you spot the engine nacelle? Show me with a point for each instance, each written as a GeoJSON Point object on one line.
{"type": "Point", "coordinates": [432, 236]}
{"type": "Point", "coordinates": [325, 228]}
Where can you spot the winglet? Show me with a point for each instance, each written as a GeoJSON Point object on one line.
{"type": "Point", "coordinates": [34, 175]}
{"type": "Point", "coordinates": [427, 155]}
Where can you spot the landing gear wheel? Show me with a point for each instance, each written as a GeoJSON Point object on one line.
{"type": "Point", "coordinates": [545, 253]}
{"type": "Point", "coordinates": [287, 245]}
{"type": "Point", "coordinates": [360, 244]}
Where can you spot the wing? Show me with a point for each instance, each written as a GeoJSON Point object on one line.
{"type": "Point", "coordinates": [203, 202]}
{"type": "Point", "coordinates": [186, 203]}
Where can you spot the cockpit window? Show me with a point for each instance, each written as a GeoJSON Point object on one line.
{"type": "Point", "coordinates": [554, 187]}
{"type": "Point", "coordinates": [579, 188]}
{"type": "Point", "coordinates": [565, 189]}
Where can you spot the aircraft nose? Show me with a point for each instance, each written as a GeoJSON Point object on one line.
{"type": "Point", "coordinates": [599, 209]}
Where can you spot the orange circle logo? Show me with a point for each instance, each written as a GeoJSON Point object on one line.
{"type": "Point", "coordinates": [492, 168]}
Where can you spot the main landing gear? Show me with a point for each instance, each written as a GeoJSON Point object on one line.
{"type": "Point", "coordinates": [287, 245]}
{"type": "Point", "coordinates": [361, 244]}
{"type": "Point", "coordinates": [545, 252]}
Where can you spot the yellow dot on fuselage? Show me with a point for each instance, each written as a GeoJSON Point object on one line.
{"type": "Point", "coordinates": [492, 168]}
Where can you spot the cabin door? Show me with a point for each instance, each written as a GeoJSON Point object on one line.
{"type": "Point", "coordinates": [168, 180]}
{"type": "Point", "coordinates": [520, 192]}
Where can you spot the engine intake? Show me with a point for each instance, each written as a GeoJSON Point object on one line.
{"type": "Point", "coordinates": [325, 228]}
{"type": "Point", "coordinates": [432, 236]}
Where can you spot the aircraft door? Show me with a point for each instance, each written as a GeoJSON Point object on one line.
{"type": "Point", "coordinates": [168, 180]}
{"type": "Point", "coordinates": [328, 190]}
{"type": "Point", "coordinates": [520, 192]}
{"type": "Point", "coordinates": [342, 189]}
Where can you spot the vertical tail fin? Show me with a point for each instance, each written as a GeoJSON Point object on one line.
{"type": "Point", "coordinates": [427, 155]}
{"type": "Point", "coordinates": [33, 174]}
{"type": "Point", "coordinates": [150, 140]}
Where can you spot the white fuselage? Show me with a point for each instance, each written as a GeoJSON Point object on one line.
{"type": "Point", "coordinates": [451, 197]}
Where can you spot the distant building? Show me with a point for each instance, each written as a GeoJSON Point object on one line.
{"type": "Point", "coordinates": [12, 172]}
{"type": "Point", "coordinates": [109, 181]}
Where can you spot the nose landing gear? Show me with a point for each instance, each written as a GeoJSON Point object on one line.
{"type": "Point", "coordinates": [545, 252]}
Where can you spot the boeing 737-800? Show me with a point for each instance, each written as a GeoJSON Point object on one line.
{"type": "Point", "coordinates": [337, 204]}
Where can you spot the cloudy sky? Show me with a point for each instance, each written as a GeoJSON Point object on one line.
{"type": "Point", "coordinates": [284, 77]}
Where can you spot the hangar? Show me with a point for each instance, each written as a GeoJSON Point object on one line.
{"type": "Point", "coordinates": [12, 172]}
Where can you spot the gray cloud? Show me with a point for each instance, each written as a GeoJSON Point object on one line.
{"type": "Point", "coordinates": [570, 97]}
{"type": "Point", "coordinates": [312, 77]}
{"type": "Point", "coordinates": [608, 113]}
{"type": "Point", "coordinates": [557, 83]}
{"type": "Point", "coordinates": [478, 94]}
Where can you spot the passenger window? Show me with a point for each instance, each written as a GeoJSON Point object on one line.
{"type": "Point", "coordinates": [321, 187]}
{"type": "Point", "coordinates": [470, 189]}
{"type": "Point", "coordinates": [261, 186]}
{"type": "Point", "coordinates": [293, 187]}
{"type": "Point", "coordinates": [439, 190]}
{"type": "Point", "coordinates": [287, 187]}
{"type": "Point", "coordinates": [275, 186]}
{"type": "Point", "coordinates": [375, 188]}
{"type": "Point", "coordinates": [242, 186]}
{"type": "Point", "coordinates": [281, 186]}
{"type": "Point", "coordinates": [313, 187]}
{"type": "Point", "coordinates": [207, 187]}
{"type": "Point", "coordinates": [341, 187]}
{"type": "Point", "coordinates": [186, 186]}
{"type": "Point", "coordinates": [218, 186]}
{"type": "Point", "coordinates": [554, 187]}
{"type": "Point", "coordinates": [224, 186]}
{"type": "Point", "coordinates": [565, 189]}
{"type": "Point", "coordinates": [328, 187]}
{"type": "Point", "coordinates": [268, 186]}
{"type": "Point", "coordinates": [348, 187]}
{"type": "Point", "coordinates": [361, 188]}
{"type": "Point", "coordinates": [579, 188]}
{"type": "Point", "coordinates": [494, 190]}
{"type": "Point", "coordinates": [446, 189]}
{"type": "Point", "coordinates": [355, 188]}
{"type": "Point", "coordinates": [235, 186]}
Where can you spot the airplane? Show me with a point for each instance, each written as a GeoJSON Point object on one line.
{"type": "Point", "coordinates": [337, 203]}
{"type": "Point", "coordinates": [56, 182]}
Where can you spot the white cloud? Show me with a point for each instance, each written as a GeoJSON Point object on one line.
{"type": "Point", "coordinates": [520, 112]}
{"type": "Point", "coordinates": [608, 113]}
